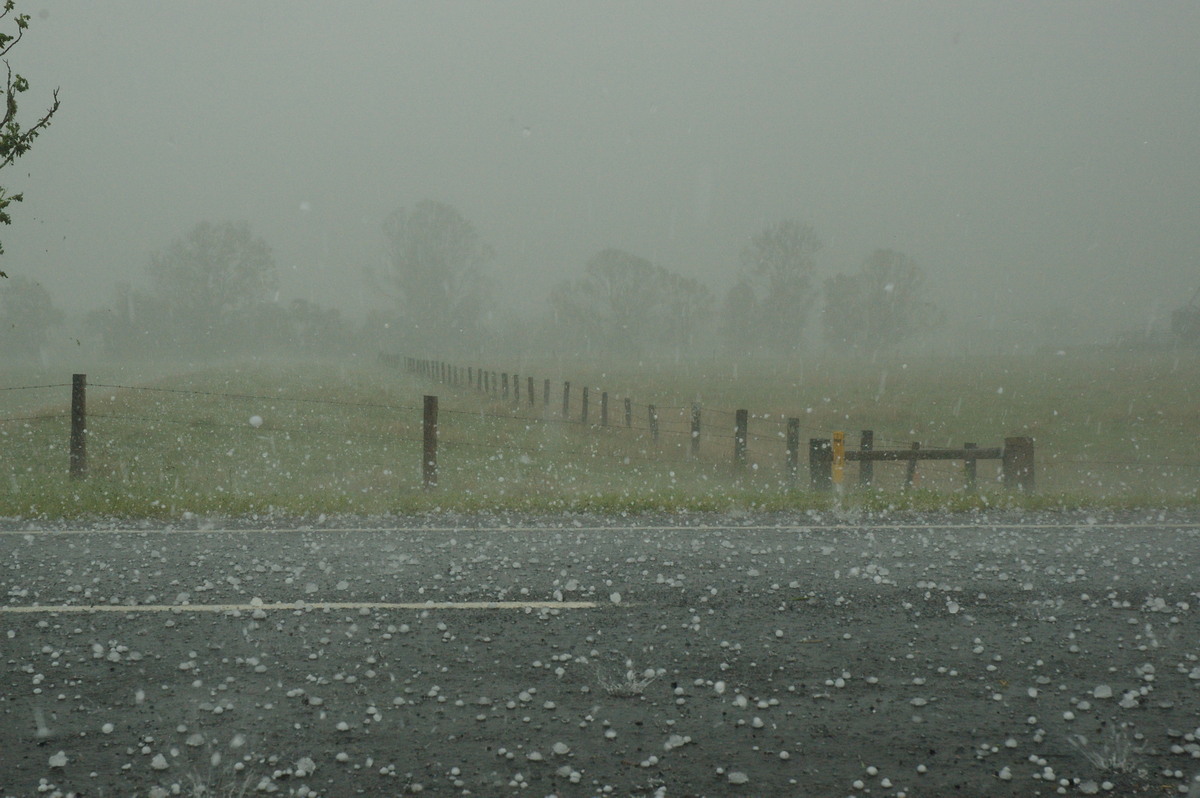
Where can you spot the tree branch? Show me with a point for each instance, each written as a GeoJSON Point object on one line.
{"type": "Point", "coordinates": [22, 142]}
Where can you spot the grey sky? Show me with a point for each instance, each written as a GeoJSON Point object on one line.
{"type": "Point", "coordinates": [1049, 149]}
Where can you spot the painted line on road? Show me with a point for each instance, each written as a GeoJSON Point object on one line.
{"type": "Point", "coordinates": [304, 606]}
{"type": "Point", "coordinates": [463, 530]}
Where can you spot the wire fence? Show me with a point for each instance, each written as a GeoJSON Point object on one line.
{"type": "Point", "coordinates": [193, 441]}
{"type": "Point", "coordinates": [767, 454]}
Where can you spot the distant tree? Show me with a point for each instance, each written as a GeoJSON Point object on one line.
{"type": "Point", "coordinates": [881, 304]}
{"type": "Point", "coordinates": [435, 271]}
{"type": "Point", "coordinates": [15, 142]}
{"type": "Point", "coordinates": [611, 303]}
{"type": "Point", "coordinates": [208, 289]}
{"type": "Point", "coordinates": [739, 321]}
{"type": "Point", "coordinates": [688, 308]}
{"type": "Point", "coordinates": [304, 327]}
{"type": "Point", "coordinates": [624, 304]}
{"type": "Point", "coordinates": [777, 273]}
{"type": "Point", "coordinates": [26, 316]}
{"type": "Point", "coordinates": [214, 272]}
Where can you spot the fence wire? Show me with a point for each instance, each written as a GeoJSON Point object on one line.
{"type": "Point", "coordinates": [363, 452]}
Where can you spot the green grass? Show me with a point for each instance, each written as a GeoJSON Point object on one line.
{"type": "Point", "coordinates": [1112, 431]}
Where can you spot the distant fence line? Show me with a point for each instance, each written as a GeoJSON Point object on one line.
{"type": "Point", "coordinates": [827, 455]}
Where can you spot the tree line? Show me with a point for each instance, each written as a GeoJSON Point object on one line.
{"type": "Point", "coordinates": [215, 290]}
{"type": "Point", "coordinates": [622, 304]}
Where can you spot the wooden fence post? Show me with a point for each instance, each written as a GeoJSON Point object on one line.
{"type": "Point", "coordinates": [1017, 462]}
{"type": "Point", "coordinates": [566, 400]}
{"type": "Point", "coordinates": [516, 390]}
{"type": "Point", "coordinates": [504, 382]}
{"type": "Point", "coordinates": [969, 467]}
{"type": "Point", "coordinates": [820, 464]}
{"type": "Point", "coordinates": [910, 473]}
{"type": "Point", "coordinates": [741, 425]}
{"type": "Point", "coordinates": [584, 415]}
{"type": "Point", "coordinates": [653, 420]}
{"type": "Point", "coordinates": [628, 412]}
{"type": "Point", "coordinates": [429, 470]}
{"type": "Point", "coordinates": [792, 442]}
{"type": "Point", "coordinates": [78, 456]}
{"type": "Point", "coordinates": [531, 398]}
{"type": "Point", "coordinates": [866, 468]}
{"type": "Point", "coordinates": [695, 429]}
{"type": "Point", "coordinates": [604, 408]}
{"type": "Point", "coordinates": [545, 396]}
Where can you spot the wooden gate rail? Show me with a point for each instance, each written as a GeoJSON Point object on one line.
{"type": "Point", "coordinates": [1016, 458]}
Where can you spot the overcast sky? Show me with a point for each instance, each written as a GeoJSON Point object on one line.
{"type": "Point", "coordinates": [1030, 155]}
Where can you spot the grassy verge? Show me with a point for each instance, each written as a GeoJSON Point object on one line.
{"type": "Point", "coordinates": [326, 439]}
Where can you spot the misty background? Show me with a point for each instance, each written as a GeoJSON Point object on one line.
{"type": "Point", "coordinates": [1038, 162]}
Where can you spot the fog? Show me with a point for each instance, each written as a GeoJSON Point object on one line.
{"type": "Point", "coordinates": [1037, 161]}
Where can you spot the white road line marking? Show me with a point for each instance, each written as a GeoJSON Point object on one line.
{"type": "Point", "coordinates": [305, 606]}
{"type": "Point", "coordinates": [463, 530]}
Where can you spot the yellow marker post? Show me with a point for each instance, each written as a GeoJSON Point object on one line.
{"type": "Point", "coordinates": [839, 457]}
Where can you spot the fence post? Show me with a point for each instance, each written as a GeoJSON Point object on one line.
{"type": "Point", "coordinates": [584, 415]}
{"type": "Point", "coordinates": [969, 467]}
{"type": "Point", "coordinates": [604, 408]}
{"type": "Point", "coordinates": [792, 450]}
{"type": "Point", "coordinates": [653, 419]}
{"type": "Point", "coordinates": [838, 466]}
{"type": "Point", "coordinates": [695, 429]}
{"type": "Point", "coordinates": [566, 400]}
{"type": "Point", "coordinates": [820, 464]}
{"type": "Point", "coordinates": [531, 398]}
{"type": "Point", "coordinates": [1017, 463]}
{"type": "Point", "coordinates": [910, 474]}
{"type": "Point", "coordinates": [504, 381]}
{"type": "Point", "coordinates": [78, 467]}
{"type": "Point", "coordinates": [740, 428]}
{"type": "Point", "coordinates": [628, 412]}
{"type": "Point", "coordinates": [516, 390]}
{"type": "Point", "coordinates": [545, 396]}
{"type": "Point", "coordinates": [866, 468]}
{"type": "Point", "coordinates": [429, 449]}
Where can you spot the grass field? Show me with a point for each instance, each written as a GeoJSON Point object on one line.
{"type": "Point", "coordinates": [1111, 430]}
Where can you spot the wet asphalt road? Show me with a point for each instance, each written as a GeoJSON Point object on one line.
{"type": "Point", "coordinates": [752, 655]}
